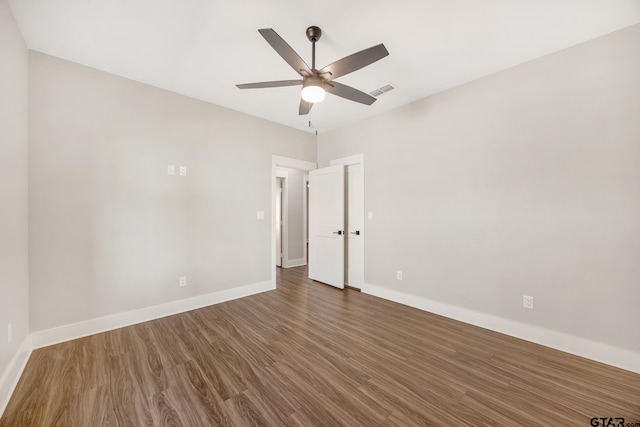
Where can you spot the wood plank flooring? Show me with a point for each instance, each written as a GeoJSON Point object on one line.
{"type": "Point", "coordinates": [307, 354]}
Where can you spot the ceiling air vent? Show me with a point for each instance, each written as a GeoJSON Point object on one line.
{"type": "Point", "coordinates": [382, 90]}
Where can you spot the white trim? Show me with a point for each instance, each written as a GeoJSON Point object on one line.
{"type": "Point", "coordinates": [287, 162]}
{"type": "Point", "coordinates": [295, 262]}
{"type": "Point", "coordinates": [305, 214]}
{"type": "Point", "coordinates": [284, 162]}
{"type": "Point", "coordinates": [604, 353]}
{"type": "Point", "coordinates": [11, 376]}
{"type": "Point", "coordinates": [102, 324]}
{"type": "Point", "coordinates": [346, 161]}
{"type": "Point", "coordinates": [284, 216]}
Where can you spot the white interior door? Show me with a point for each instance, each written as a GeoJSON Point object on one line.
{"type": "Point", "coordinates": [326, 225]}
{"type": "Point", "coordinates": [354, 268]}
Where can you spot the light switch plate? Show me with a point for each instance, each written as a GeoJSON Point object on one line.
{"type": "Point", "coordinates": [369, 215]}
{"type": "Point", "coordinates": [260, 215]}
{"type": "Point", "coordinates": [171, 170]}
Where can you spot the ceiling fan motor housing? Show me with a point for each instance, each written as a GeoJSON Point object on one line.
{"type": "Point", "coordinates": [314, 33]}
{"type": "Point", "coordinates": [314, 80]}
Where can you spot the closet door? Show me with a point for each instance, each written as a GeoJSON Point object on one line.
{"type": "Point", "coordinates": [354, 262]}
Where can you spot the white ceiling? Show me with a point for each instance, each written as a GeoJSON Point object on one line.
{"type": "Point", "coordinates": [202, 48]}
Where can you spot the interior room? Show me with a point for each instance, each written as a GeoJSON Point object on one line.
{"type": "Point", "coordinates": [163, 255]}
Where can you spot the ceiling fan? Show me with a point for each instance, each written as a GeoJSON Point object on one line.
{"type": "Point", "coordinates": [316, 82]}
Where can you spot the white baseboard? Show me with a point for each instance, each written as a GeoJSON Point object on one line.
{"type": "Point", "coordinates": [604, 353]}
{"type": "Point", "coordinates": [295, 263]}
{"type": "Point", "coordinates": [11, 376]}
{"type": "Point", "coordinates": [102, 324]}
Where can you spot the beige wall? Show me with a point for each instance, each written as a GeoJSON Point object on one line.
{"type": "Point", "coordinates": [110, 230]}
{"type": "Point", "coordinates": [523, 182]}
{"type": "Point", "coordinates": [14, 286]}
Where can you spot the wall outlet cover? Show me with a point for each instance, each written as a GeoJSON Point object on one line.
{"type": "Point", "coordinates": [527, 302]}
{"type": "Point", "coordinates": [183, 281]}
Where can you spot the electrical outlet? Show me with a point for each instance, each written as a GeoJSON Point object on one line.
{"type": "Point", "coordinates": [183, 171]}
{"type": "Point", "coordinates": [9, 333]}
{"type": "Point", "coordinates": [527, 302]}
{"type": "Point", "coordinates": [399, 275]}
{"type": "Point", "coordinates": [183, 281]}
{"type": "Point", "coordinates": [171, 170]}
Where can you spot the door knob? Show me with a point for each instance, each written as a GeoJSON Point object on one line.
{"type": "Point", "coordinates": [357, 232]}
{"type": "Point", "coordinates": [339, 232]}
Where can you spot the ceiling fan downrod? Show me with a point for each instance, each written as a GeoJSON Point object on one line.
{"type": "Point", "coordinates": [313, 34]}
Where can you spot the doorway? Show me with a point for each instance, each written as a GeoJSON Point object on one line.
{"type": "Point", "coordinates": [291, 205]}
{"type": "Point", "coordinates": [293, 242]}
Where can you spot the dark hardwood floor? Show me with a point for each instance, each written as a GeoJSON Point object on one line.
{"type": "Point", "coordinates": [311, 355]}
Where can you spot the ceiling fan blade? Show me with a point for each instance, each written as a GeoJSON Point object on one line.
{"type": "Point", "coordinates": [278, 83]}
{"type": "Point", "coordinates": [305, 107]}
{"type": "Point", "coordinates": [349, 93]}
{"type": "Point", "coordinates": [285, 51]}
{"type": "Point", "coordinates": [354, 62]}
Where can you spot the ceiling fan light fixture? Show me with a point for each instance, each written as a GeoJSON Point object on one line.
{"type": "Point", "coordinates": [312, 90]}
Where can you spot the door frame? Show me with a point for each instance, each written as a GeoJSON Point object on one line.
{"type": "Point", "coordinates": [285, 162]}
{"type": "Point", "coordinates": [284, 239]}
{"type": "Point", "coordinates": [354, 160]}
{"type": "Point", "coordinates": [305, 217]}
